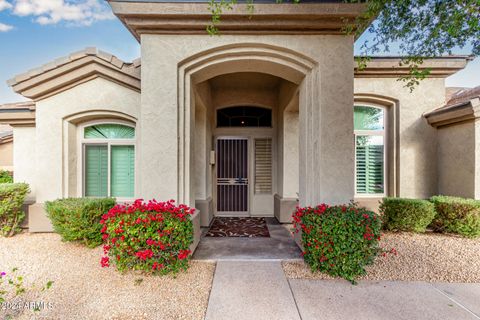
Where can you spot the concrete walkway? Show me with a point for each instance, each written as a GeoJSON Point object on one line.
{"type": "Point", "coordinates": [259, 290]}
{"type": "Point", "coordinates": [250, 290]}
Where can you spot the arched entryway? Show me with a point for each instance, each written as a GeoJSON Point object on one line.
{"type": "Point", "coordinates": [239, 127]}
{"type": "Point", "coordinates": [238, 96]}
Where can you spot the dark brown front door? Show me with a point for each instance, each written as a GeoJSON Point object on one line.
{"type": "Point", "coordinates": [232, 175]}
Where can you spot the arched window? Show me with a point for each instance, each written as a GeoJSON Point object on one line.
{"type": "Point", "coordinates": [369, 125]}
{"type": "Point", "coordinates": [244, 117]}
{"type": "Point", "coordinates": [109, 161]}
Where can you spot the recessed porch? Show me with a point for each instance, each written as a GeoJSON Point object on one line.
{"type": "Point", "coordinates": [279, 245]}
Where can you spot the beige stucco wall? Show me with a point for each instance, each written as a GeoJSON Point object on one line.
{"type": "Point", "coordinates": [6, 156]}
{"type": "Point", "coordinates": [24, 158]}
{"type": "Point", "coordinates": [288, 141]}
{"type": "Point", "coordinates": [326, 130]}
{"type": "Point", "coordinates": [457, 161]}
{"type": "Point", "coordinates": [417, 141]}
{"type": "Point", "coordinates": [55, 141]}
{"type": "Point", "coordinates": [477, 160]}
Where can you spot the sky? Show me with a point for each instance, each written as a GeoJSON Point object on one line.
{"type": "Point", "coordinates": [35, 32]}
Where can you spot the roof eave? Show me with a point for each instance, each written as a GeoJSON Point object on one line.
{"type": "Point", "coordinates": [142, 17]}
{"type": "Point", "coordinates": [459, 113]}
{"type": "Point", "coordinates": [75, 69]}
{"type": "Point", "coordinates": [391, 67]}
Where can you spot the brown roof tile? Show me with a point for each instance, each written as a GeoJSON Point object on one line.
{"type": "Point", "coordinates": [18, 106]}
{"type": "Point", "coordinates": [89, 51]}
{"type": "Point", "coordinates": [463, 96]}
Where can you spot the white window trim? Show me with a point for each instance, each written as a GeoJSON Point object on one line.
{"type": "Point", "coordinates": [382, 133]}
{"type": "Point", "coordinates": [83, 142]}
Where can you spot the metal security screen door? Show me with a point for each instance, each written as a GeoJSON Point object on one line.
{"type": "Point", "coordinates": [232, 175]}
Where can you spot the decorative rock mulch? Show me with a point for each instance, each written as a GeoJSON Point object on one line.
{"type": "Point", "coordinates": [238, 227]}
{"type": "Point", "coordinates": [84, 290]}
{"type": "Point", "coordinates": [427, 257]}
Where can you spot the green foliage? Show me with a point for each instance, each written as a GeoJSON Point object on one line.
{"type": "Point", "coordinates": [12, 196]}
{"type": "Point", "coordinates": [11, 287]}
{"type": "Point", "coordinates": [457, 215]}
{"type": "Point", "coordinates": [420, 29]}
{"type": "Point", "coordinates": [78, 219]}
{"type": "Point", "coordinates": [401, 214]}
{"type": "Point", "coordinates": [218, 7]}
{"type": "Point", "coordinates": [5, 177]}
{"type": "Point", "coordinates": [338, 240]}
{"type": "Point", "coordinates": [153, 237]}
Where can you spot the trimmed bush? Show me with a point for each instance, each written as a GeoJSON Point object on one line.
{"type": "Point", "coordinates": [5, 177]}
{"type": "Point", "coordinates": [338, 240]}
{"type": "Point", "coordinates": [457, 215]}
{"type": "Point", "coordinates": [12, 196]}
{"type": "Point", "coordinates": [78, 219]}
{"type": "Point", "coordinates": [153, 237]}
{"type": "Point", "coordinates": [401, 214]}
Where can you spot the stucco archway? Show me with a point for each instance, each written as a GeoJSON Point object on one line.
{"type": "Point", "coordinates": [276, 61]}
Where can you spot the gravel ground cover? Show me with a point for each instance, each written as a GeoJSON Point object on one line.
{"type": "Point", "coordinates": [427, 257]}
{"type": "Point", "coordinates": [84, 290]}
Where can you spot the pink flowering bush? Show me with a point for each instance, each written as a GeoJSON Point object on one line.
{"type": "Point", "coordinates": [338, 240]}
{"type": "Point", "coordinates": [149, 236]}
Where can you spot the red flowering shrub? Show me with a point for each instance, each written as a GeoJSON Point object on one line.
{"type": "Point", "coordinates": [153, 237]}
{"type": "Point", "coordinates": [338, 240]}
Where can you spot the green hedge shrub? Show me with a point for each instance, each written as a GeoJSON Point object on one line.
{"type": "Point", "coordinates": [457, 215]}
{"type": "Point", "coordinates": [401, 214]}
{"type": "Point", "coordinates": [150, 236]}
{"type": "Point", "coordinates": [12, 196]}
{"type": "Point", "coordinates": [339, 240]}
{"type": "Point", "coordinates": [78, 219]}
{"type": "Point", "coordinates": [5, 177]}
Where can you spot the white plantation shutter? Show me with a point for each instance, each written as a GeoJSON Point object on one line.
{"type": "Point", "coordinates": [370, 169]}
{"type": "Point", "coordinates": [263, 166]}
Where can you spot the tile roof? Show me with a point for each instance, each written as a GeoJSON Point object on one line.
{"type": "Point", "coordinates": [76, 68]}
{"type": "Point", "coordinates": [17, 106]}
{"type": "Point", "coordinates": [462, 105]}
{"type": "Point", "coordinates": [19, 113]}
{"type": "Point", "coordinates": [6, 136]}
{"type": "Point", "coordinates": [463, 96]}
{"type": "Point", "coordinates": [130, 68]}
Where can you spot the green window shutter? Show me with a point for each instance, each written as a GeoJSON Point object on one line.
{"type": "Point", "coordinates": [369, 167]}
{"type": "Point", "coordinates": [96, 171]}
{"type": "Point", "coordinates": [122, 171]}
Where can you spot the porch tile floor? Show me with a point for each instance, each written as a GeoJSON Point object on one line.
{"type": "Point", "coordinates": [279, 246]}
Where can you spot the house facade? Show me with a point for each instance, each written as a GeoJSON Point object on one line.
{"type": "Point", "coordinates": [270, 114]}
{"type": "Point", "coordinates": [6, 148]}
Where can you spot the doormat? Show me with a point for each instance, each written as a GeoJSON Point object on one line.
{"type": "Point", "coordinates": [238, 227]}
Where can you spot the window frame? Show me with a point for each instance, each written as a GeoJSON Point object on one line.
{"type": "Point", "coordinates": [219, 109]}
{"type": "Point", "coordinates": [84, 142]}
{"type": "Point", "coordinates": [372, 133]}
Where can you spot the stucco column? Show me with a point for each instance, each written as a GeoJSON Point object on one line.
{"type": "Point", "coordinates": [158, 148]}
{"type": "Point", "coordinates": [290, 154]}
{"type": "Point", "coordinates": [326, 128]}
